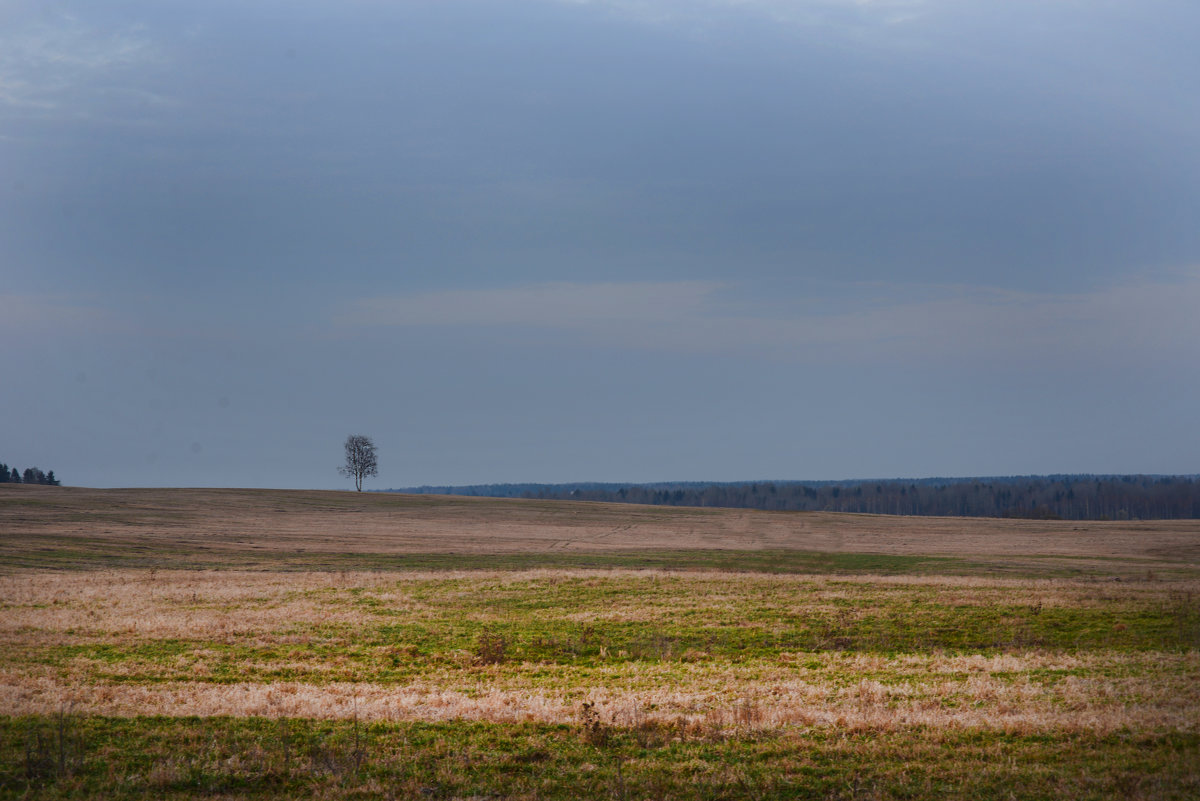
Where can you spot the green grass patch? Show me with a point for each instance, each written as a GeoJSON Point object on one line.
{"type": "Point", "coordinates": [55, 758]}
{"type": "Point", "coordinates": [401, 630]}
{"type": "Point", "coordinates": [43, 552]}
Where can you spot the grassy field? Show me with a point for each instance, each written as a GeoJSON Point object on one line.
{"type": "Point", "coordinates": [240, 643]}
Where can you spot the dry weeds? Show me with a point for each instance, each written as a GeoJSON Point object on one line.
{"type": "Point", "coordinates": [978, 701]}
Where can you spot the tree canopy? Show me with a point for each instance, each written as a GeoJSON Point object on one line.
{"type": "Point", "coordinates": [31, 475]}
{"type": "Point", "coordinates": [360, 459]}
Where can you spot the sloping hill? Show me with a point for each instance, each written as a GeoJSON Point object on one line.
{"type": "Point", "coordinates": [80, 527]}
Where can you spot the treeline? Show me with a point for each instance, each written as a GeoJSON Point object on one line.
{"type": "Point", "coordinates": [1059, 497]}
{"type": "Point", "coordinates": [31, 475]}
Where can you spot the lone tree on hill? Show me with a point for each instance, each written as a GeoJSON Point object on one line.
{"type": "Point", "coordinates": [360, 459]}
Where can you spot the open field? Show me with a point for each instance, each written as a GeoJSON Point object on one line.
{"type": "Point", "coordinates": [77, 527]}
{"type": "Point", "coordinates": [241, 643]}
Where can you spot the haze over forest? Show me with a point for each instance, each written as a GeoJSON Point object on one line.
{"type": "Point", "coordinates": [553, 240]}
{"type": "Point", "coordinates": [1029, 497]}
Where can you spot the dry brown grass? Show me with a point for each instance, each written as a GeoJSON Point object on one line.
{"type": "Point", "coordinates": [715, 696]}
{"type": "Point", "coordinates": [50, 622]}
{"type": "Point", "coordinates": [227, 604]}
{"type": "Point", "coordinates": [1033, 690]}
{"type": "Point", "coordinates": [266, 521]}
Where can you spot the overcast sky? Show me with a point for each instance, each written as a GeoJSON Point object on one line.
{"type": "Point", "coordinates": [619, 240]}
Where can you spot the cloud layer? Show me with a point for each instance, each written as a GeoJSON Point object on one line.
{"type": "Point", "coordinates": [1114, 324]}
{"type": "Point", "coordinates": [46, 64]}
{"type": "Point", "coordinates": [610, 239]}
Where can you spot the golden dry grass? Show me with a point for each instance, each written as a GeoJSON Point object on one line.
{"type": "Point", "coordinates": [218, 605]}
{"type": "Point", "coordinates": [716, 698]}
{"type": "Point", "coordinates": [1023, 691]}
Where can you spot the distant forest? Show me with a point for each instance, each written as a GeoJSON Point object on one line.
{"type": "Point", "coordinates": [1057, 497]}
{"type": "Point", "coordinates": [31, 475]}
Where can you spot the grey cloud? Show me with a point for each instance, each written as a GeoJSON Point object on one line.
{"type": "Point", "coordinates": [1115, 324]}
{"type": "Point", "coordinates": [460, 140]}
{"type": "Point", "coordinates": [44, 62]}
{"type": "Point", "coordinates": [56, 315]}
{"type": "Point", "coordinates": [806, 12]}
{"type": "Point", "coordinates": [672, 219]}
{"type": "Point", "coordinates": [553, 305]}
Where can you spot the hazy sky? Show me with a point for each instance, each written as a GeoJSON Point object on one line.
{"type": "Point", "coordinates": [623, 240]}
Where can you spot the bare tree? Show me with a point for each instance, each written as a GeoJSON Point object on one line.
{"type": "Point", "coordinates": [360, 459]}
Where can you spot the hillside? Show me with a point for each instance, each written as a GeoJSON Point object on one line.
{"type": "Point", "coordinates": [65, 526]}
